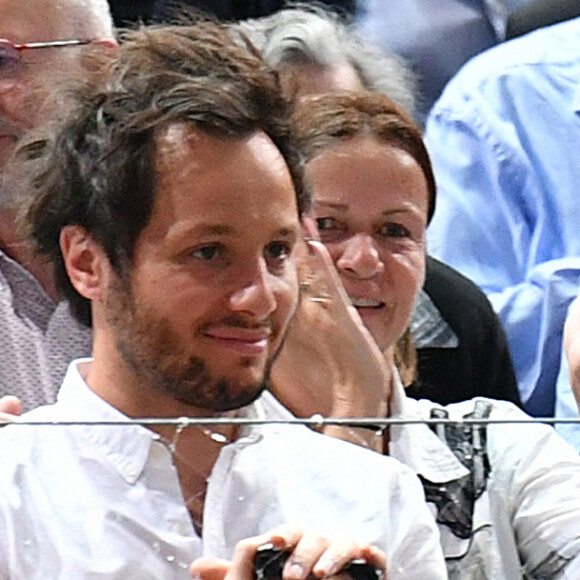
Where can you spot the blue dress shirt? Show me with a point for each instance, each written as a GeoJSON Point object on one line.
{"type": "Point", "coordinates": [435, 36]}
{"type": "Point", "coordinates": [505, 143]}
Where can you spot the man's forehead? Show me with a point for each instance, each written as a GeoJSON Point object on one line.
{"type": "Point", "coordinates": [207, 184]}
{"type": "Point", "coordinates": [171, 139]}
{"type": "Point", "coordinates": [35, 20]}
{"type": "Point", "coordinates": [175, 144]}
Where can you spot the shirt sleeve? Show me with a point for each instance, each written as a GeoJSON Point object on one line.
{"type": "Point", "coordinates": [537, 475]}
{"type": "Point", "coordinates": [488, 208]}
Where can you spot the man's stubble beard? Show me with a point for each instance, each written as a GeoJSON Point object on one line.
{"type": "Point", "coordinates": [154, 354]}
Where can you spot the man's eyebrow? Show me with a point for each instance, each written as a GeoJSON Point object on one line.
{"type": "Point", "coordinates": [212, 229]}
{"type": "Point", "coordinates": [288, 232]}
{"type": "Point", "coordinates": [332, 205]}
{"type": "Point", "coordinates": [224, 230]}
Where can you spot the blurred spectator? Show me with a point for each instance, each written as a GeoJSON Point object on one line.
{"type": "Point", "coordinates": [532, 14]}
{"type": "Point", "coordinates": [572, 346]}
{"type": "Point", "coordinates": [127, 11]}
{"type": "Point", "coordinates": [436, 36]}
{"type": "Point", "coordinates": [439, 36]}
{"type": "Point", "coordinates": [568, 385]}
{"type": "Point", "coordinates": [38, 336]}
{"type": "Point", "coordinates": [504, 139]}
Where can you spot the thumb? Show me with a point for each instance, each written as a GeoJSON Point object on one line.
{"type": "Point", "coordinates": [10, 405]}
{"type": "Point", "coordinates": [209, 568]}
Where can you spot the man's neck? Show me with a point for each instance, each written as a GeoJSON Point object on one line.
{"type": "Point", "coordinates": [194, 449]}
{"type": "Point", "coordinates": [22, 252]}
{"type": "Point", "coordinates": [194, 455]}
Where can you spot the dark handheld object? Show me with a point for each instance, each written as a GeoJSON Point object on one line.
{"type": "Point", "coordinates": [269, 563]}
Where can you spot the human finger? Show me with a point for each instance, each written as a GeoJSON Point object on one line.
{"type": "Point", "coordinates": [338, 554]}
{"type": "Point", "coordinates": [322, 264]}
{"type": "Point", "coordinates": [309, 229]}
{"type": "Point", "coordinates": [372, 555]}
{"type": "Point", "coordinates": [10, 408]}
{"type": "Point", "coordinates": [242, 563]}
{"type": "Point", "coordinates": [209, 568]}
{"type": "Point", "coordinates": [322, 556]}
{"type": "Point", "coordinates": [333, 294]}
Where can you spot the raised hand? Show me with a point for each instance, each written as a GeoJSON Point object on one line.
{"type": "Point", "coordinates": [330, 363]}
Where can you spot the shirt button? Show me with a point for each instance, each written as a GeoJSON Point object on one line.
{"type": "Point", "coordinates": [130, 472]}
{"type": "Point", "coordinates": [181, 528]}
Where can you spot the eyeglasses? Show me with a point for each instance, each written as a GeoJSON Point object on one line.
{"type": "Point", "coordinates": [11, 54]}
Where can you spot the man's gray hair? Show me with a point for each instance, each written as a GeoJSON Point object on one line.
{"type": "Point", "coordinates": [307, 34]}
{"type": "Point", "coordinates": [90, 19]}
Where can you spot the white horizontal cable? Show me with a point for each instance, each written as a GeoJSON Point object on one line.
{"type": "Point", "coordinates": [314, 421]}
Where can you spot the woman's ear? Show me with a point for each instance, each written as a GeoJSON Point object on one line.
{"type": "Point", "coordinates": [85, 261]}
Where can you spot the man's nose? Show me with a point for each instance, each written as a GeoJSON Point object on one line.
{"type": "Point", "coordinates": [255, 292]}
{"type": "Point", "coordinates": [360, 257]}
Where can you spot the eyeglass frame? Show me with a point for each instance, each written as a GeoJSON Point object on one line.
{"type": "Point", "coordinates": [44, 44]}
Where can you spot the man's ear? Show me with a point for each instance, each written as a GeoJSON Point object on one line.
{"type": "Point", "coordinates": [85, 261]}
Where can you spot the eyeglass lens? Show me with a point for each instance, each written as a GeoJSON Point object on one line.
{"type": "Point", "coordinates": [9, 56]}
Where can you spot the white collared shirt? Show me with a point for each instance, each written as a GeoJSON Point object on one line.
{"type": "Point", "coordinates": [528, 518]}
{"type": "Point", "coordinates": [104, 502]}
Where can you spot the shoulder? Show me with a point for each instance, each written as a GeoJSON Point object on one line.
{"type": "Point", "coordinates": [21, 440]}
{"type": "Point", "coordinates": [452, 292]}
{"type": "Point", "coordinates": [494, 408]}
{"type": "Point", "coordinates": [527, 60]}
{"type": "Point", "coordinates": [515, 438]}
{"type": "Point", "coordinates": [322, 464]}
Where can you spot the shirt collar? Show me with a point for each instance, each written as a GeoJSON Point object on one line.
{"type": "Point", "coordinates": [125, 447]}
{"type": "Point", "coordinates": [416, 445]}
{"type": "Point", "coordinates": [428, 327]}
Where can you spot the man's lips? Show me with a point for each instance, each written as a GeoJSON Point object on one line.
{"type": "Point", "coordinates": [248, 341]}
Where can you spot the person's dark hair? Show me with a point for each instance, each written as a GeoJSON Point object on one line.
{"type": "Point", "coordinates": [97, 169]}
{"type": "Point", "coordinates": [325, 120]}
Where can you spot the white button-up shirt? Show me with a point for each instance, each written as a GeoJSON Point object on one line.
{"type": "Point", "coordinates": [526, 522]}
{"type": "Point", "coordinates": [92, 502]}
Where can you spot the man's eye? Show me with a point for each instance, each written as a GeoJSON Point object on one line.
{"type": "Point", "coordinates": [393, 230]}
{"type": "Point", "coordinates": [208, 252]}
{"type": "Point", "coordinates": [278, 250]}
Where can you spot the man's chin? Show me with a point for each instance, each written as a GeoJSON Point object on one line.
{"type": "Point", "coordinates": [223, 397]}
{"type": "Point", "coordinates": [238, 402]}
